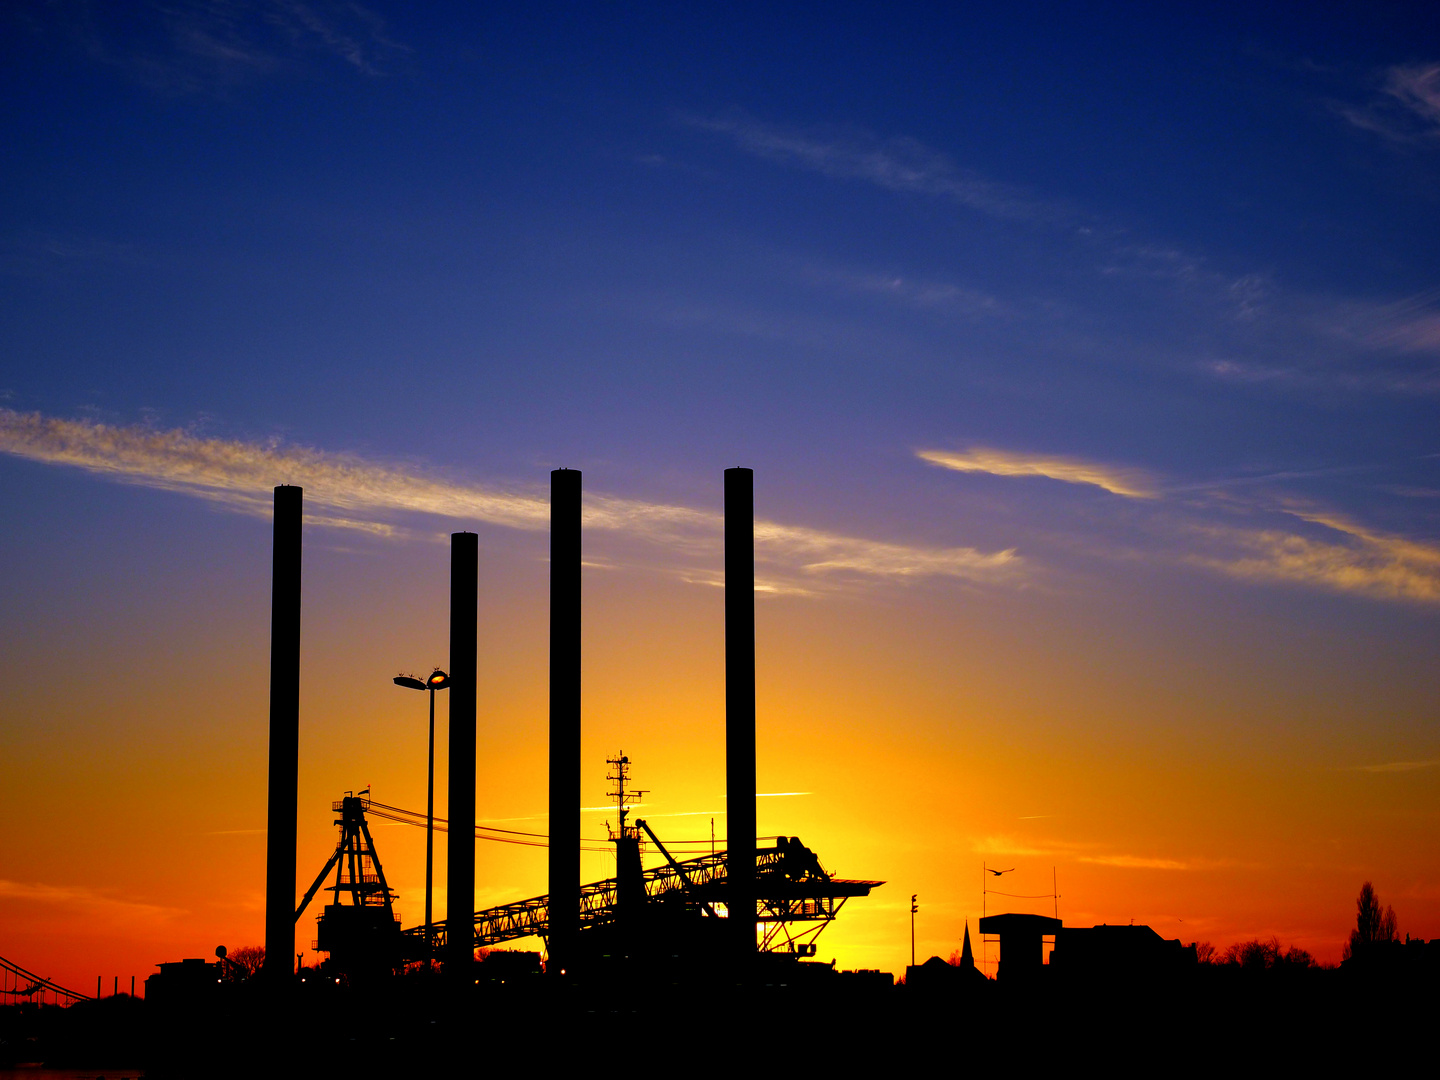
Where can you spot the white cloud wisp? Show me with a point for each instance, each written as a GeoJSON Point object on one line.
{"type": "Point", "coordinates": [900, 164]}
{"type": "Point", "coordinates": [1131, 483]}
{"type": "Point", "coordinates": [1328, 552]}
{"type": "Point", "coordinates": [1358, 561]}
{"type": "Point", "coordinates": [348, 491]}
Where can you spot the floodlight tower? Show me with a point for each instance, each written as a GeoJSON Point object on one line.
{"type": "Point", "coordinates": [438, 680]}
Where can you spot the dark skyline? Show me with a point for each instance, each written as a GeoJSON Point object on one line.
{"type": "Point", "coordinates": [1086, 361]}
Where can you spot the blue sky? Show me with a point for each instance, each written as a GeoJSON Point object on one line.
{"type": "Point", "coordinates": [1194, 243]}
{"type": "Point", "coordinates": [1106, 319]}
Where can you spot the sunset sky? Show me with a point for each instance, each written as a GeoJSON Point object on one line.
{"type": "Point", "coordinates": [1087, 357]}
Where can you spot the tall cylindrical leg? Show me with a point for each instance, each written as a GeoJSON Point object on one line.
{"type": "Point", "coordinates": [284, 735]}
{"type": "Point", "coordinates": [460, 887]}
{"type": "Point", "coordinates": [740, 705]}
{"type": "Point", "coordinates": [430, 840]}
{"type": "Point", "coordinates": [564, 716]}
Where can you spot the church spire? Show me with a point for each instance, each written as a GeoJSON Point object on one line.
{"type": "Point", "coordinates": [967, 958]}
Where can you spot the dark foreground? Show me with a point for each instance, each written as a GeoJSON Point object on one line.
{"type": "Point", "coordinates": [1213, 1019]}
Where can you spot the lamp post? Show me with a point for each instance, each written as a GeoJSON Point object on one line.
{"type": "Point", "coordinates": [914, 907]}
{"type": "Point", "coordinates": [438, 680]}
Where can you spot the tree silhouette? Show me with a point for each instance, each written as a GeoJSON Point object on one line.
{"type": "Point", "coordinates": [243, 963]}
{"type": "Point", "coordinates": [1257, 955]}
{"type": "Point", "coordinates": [1374, 924]}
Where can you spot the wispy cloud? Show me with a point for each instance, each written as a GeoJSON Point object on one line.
{"type": "Point", "coordinates": [1342, 556]}
{"type": "Point", "coordinates": [1407, 108]}
{"type": "Point", "coordinates": [264, 35]}
{"type": "Point", "coordinates": [1398, 766]}
{"type": "Point", "coordinates": [348, 491]}
{"type": "Point", "coordinates": [1241, 328]}
{"type": "Point", "coordinates": [91, 902]}
{"type": "Point", "coordinates": [242, 474]}
{"type": "Point", "coordinates": [211, 45]}
{"type": "Point", "coordinates": [1008, 845]}
{"type": "Point", "coordinates": [898, 164]}
{"type": "Point", "coordinates": [916, 293]}
{"type": "Point", "coordinates": [1080, 852]}
{"type": "Point", "coordinates": [1135, 862]}
{"type": "Point", "coordinates": [1417, 88]}
{"type": "Point", "coordinates": [818, 552]}
{"type": "Point", "coordinates": [811, 552]}
{"type": "Point", "coordinates": [1264, 537]}
{"type": "Point", "coordinates": [1132, 483]}
{"type": "Point", "coordinates": [1295, 341]}
{"type": "Point", "coordinates": [1411, 326]}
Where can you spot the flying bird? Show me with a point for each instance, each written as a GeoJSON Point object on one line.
{"type": "Point", "coordinates": [997, 873]}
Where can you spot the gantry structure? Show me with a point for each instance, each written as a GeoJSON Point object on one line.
{"type": "Point", "coordinates": [797, 899]}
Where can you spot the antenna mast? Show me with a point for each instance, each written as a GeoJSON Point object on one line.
{"type": "Point", "coordinates": [618, 776]}
{"type": "Point", "coordinates": [629, 872]}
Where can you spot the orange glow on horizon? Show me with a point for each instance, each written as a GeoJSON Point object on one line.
{"type": "Point", "coordinates": [916, 735]}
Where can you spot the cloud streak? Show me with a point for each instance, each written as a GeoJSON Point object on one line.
{"type": "Point", "coordinates": [348, 491]}
{"type": "Point", "coordinates": [1417, 88]}
{"type": "Point", "coordinates": [899, 164]}
{"type": "Point", "coordinates": [1328, 551]}
{"type": "Point", "coordinates": [1408, 110]}
{"type": "Point", "coordinates": [194, 45]}
{"type": "Point", "coordinates": [243, 474]}
{"type": "Point", "coordinates": [1134, 862]}
{"type": "Point", "coordinates": [1296, 545]}
{"type": "Point", "coordinates": [1009, 846]}
{"type": "Point", "coordinates": [1344, 557]}
{"type": "Point", "coordinates": [94, 904]}
{"type": "Point", "coordinates": [1132, 483]}
{"type": "Point", "coordinates": [1397, 766]}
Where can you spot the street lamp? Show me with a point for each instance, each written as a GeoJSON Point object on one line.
{"type": "Point", "coordinates": [914, 908]}
{"type": "Point", "coordinates": [438, 680]}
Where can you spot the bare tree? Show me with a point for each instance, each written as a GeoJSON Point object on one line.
{"type": "Point", "coordinates": [243, 963]}
{"type": "Point", "coordinates": [1253, 955]}
{"type": "Point", "coordinates": [1257, 955]}
{"type": "Point", "coordinates": [1297, 957]}
{"type": "Point", "coordinates": [1374, 924]}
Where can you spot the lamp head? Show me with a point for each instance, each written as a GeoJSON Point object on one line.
{"type": "Point", "coordinates": [438, 680]}
{"type": "Point", "coordinates": [410, 681]}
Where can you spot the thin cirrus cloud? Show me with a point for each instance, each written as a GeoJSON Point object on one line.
{"type": "Point", "coordinates": [1009, 846]}
{"type": "Point", "coordinates": [1333, 553]}
{"type": "Point", "coordinates": [1408, 109]}
{"type": "Point", "coordinates": [348, 491]}
{"type": "Point", "coordinates": [1134, 862]}
{"type": "Point", "coordinates": [1397, 766]}
{"type": "Point", "coordinates": [197, 46]}
{"type": "Point", "coordinates": [1417, 88]}
{"type": "Point", "coordinates": [899, 164]}
{"type": "Point", "coordinates": [1132, 483]}
{"type": "Point", "coordinates": [1343, 343]}
{"type": "Point", "coordinates": [1338, 556]}
{"type": "Point", "coordinates": [242, 474]}
{"type": "Point", "coordinates": [1410, 325]}
{"type": "Point", "coordinates": [96, 905]}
